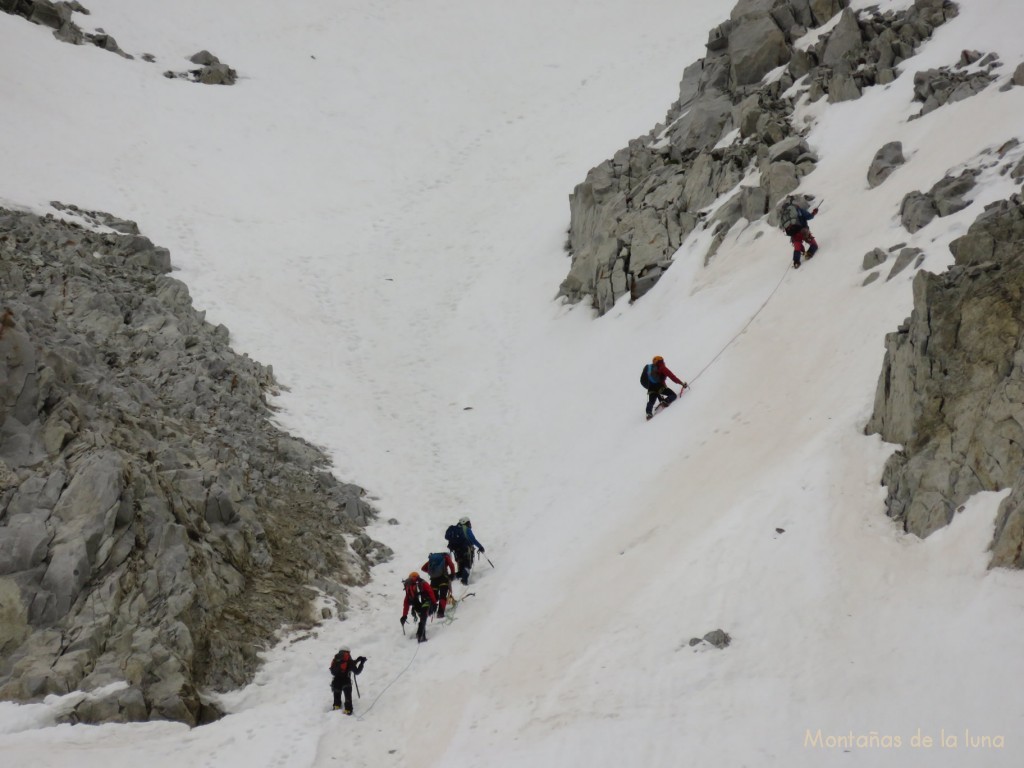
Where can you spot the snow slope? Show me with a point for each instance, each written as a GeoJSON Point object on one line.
{"type": "Point", "coordinates": [378, 210]}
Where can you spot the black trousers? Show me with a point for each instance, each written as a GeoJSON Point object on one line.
{"type": "Point", "coordinates": [421, 612]}
{"type": "Point", "coordinates": [464, 561]}
{"type": "Point", "coordinates": [340, 687]}
{"type": "Point", "coordinates": [653, 395]}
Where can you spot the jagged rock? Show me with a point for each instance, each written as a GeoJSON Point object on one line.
{"type": "Point", "coordinates": [886, 160]}
{"type": "Point", "coordinates": [1018, 75]}
{"type": "Point", "coordinates": [948, 193]}
{"type": "Point", "coordinates": [155, 527]}
{"type": "Point", "coordinates": [952, 383]}
{"type": "Point", "coordinates": [1008, 537]}
{"type": "Point", "coordinates": [917, 210]}
{"type": "Point", "coordinates": [844, 40]}
{"type": "Point", "coordinates": [903, 259]}
{"type": "Point", "coordinates": [718, 638]}
{"type": "Point", "coordinates": [790, 149]}
{"type": "Point", "coordinates": [204, 58]}
{"type": "Point", "coordinates": [843, 87]}
{"type": "Point", "coordinates": [873, 258]}
{"type": "Point", "coordinates": [756, 47]}
{"type": "Point", "coordinates": [217, 74]}
{"type": "Point", "coordinates": [943, 199]}
{"type": "Point", "coordinates": [938, 87]}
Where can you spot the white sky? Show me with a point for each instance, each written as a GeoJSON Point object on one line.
{"type": "Point", "coordinates": [378, 209]}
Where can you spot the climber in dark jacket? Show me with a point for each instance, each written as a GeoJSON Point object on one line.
{"type": "Point", "coordinates": [343, 666]}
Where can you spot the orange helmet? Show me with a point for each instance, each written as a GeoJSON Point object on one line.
{"type": "Point", "coordinates": [658, 359]}
{"type": "Point", "coordinates": [414, 575]}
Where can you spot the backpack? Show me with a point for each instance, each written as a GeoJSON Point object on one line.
{"type": "Point", "coordinates": [790, 217]}
{"type": "Point", "coordinates": [456, 537]}
{"type": "Point", "coordinates": [436, 567]}
{"type": "Point", "coordinates": [647, 377]}
{"type": "Point", "coordinates": [339, 665]}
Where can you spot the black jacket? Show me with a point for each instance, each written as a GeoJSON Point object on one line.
{"type": "Point", "coordinates": [342, 670]}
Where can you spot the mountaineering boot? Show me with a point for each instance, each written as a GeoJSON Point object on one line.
{"type": "Point", "coordinates": [337, 706]}
{"type": "Point", "coordinates": [650, 416]}
{"type": "Point", "coordinates": [348, 711]}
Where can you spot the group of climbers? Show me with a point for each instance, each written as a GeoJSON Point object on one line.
{"type": "Point", "coordinates": [423, 599]}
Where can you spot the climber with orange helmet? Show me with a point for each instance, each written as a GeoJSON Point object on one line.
{"type": "Point", "coordinates": [420, 597]}
{"type": "Point", "coordinates": [653, 378]}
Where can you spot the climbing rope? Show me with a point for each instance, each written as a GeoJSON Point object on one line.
{"type": "Point", "coordinates": [744, 328]}
{"type": "Point", "coordinates": [384, 689]}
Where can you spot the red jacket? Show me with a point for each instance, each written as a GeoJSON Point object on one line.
{"type": "Point", "coordinates": [664, 372]}
{"type": "Point", "coordinates": [417, 593]}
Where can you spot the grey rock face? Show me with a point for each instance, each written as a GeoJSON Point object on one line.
{"type": "Point", "coordinates": [632, 212]}
{"type": "Point", "coordinates": [952, 384]}
{"type": "Point", "coordinates": [886, 160]}
{"type": "Point", "coordinates": [943, 199]}
{"type": "Point", "coordinates": [156, 529]}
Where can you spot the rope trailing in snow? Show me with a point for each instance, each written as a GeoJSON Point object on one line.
{"type": "Point", "coordinates": [744, 328]}
{"type": "Point", "coordinates": [404, 670]}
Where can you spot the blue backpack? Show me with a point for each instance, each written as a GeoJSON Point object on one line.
{"type": "Point", "coordinates": [436, 565]}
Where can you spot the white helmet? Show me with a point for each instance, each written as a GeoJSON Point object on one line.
{"type": "Point", "coordinates": [464, 521]}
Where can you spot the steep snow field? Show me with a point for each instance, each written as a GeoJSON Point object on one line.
{"type": "Point", "coordinates": [378, 209]}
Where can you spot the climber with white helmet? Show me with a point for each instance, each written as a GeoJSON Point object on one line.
{"type": "Point", "coordinates": [461, 542]}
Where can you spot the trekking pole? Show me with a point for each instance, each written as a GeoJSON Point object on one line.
{"type": "Point", "coordinates": [356, 681]}
{"type": "Point", "coordinates": [487, 559]}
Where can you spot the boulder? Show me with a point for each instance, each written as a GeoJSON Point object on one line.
{"type": "Point", "coordinates": [886, 160]}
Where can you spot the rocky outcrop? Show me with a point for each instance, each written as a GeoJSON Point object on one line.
{"type": "Point", "coordinates": [211, 70]}
{"type": "Point", "coordinates": [952, 385]}
{"type": "Point", "coordinates": [946, 197]}
{"type": "Point", "coordinates": [59, 17]}
{"type": "Point", "coordinates": [156, 528]}
{"type": "Point", "coordinates": [729, 133]}
{"type": "Point", "coordinates": [970, 76]}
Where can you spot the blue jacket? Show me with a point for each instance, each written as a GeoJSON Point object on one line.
{"type": "Point", "coordinates": [471, 538]}
{"type": "Point", "coordinates": [805, 215]}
